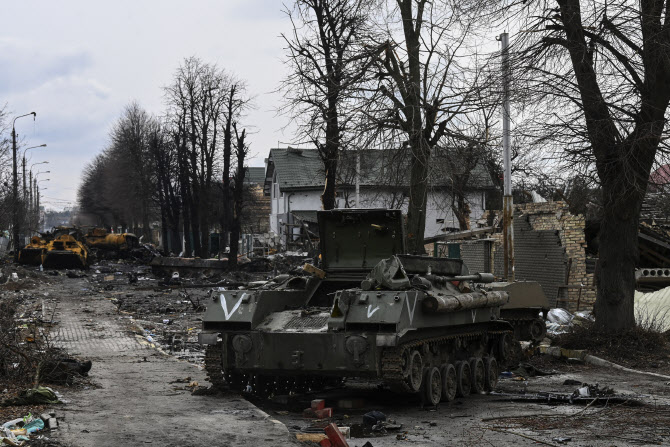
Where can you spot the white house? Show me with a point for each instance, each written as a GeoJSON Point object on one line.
{"type": "Point", "coordinates": [294, 180]}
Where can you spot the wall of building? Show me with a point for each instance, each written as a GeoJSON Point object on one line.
{"type": "Point", "coordinates": [556, 216]}
{"type": "Point", "coordinates": [549, 247]}
{"type": "Point", "coordinates": [438, 213]}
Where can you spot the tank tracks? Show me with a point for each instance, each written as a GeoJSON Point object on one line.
{"type": "Point", "coordinates": [527, 327]}
{"type": "Point", "coordinates": [214, 365]}
{"type": "Point", "coordinates": [393, 361]}
{"type": "Point", "coordinates": [257, 384]}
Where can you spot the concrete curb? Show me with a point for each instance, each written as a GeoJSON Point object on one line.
{"type": "Point", "coordinates": [559, 352]}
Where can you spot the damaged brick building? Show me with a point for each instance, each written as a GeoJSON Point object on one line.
{"type": "Point", "coordinates": [549, 247]}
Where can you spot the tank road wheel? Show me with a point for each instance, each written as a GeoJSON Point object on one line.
{"type": "Point", "coordinates": [463, 379]}
{"type": "Point", "coordinates": [478, 372]}
{"type": "Point", "coordinates": [432, 386]}
{"type": "Point", "coordinates": [491, 374]}
{"type": "Point", "coordinates": [449, 381]}
{"type": "Point", "coordinates": [405, 362]}
{"type": "Point", "coordinates": [415, 376]}
{"type": "Point", "coordinates": [505, 348]}
{"type": "Point", "coordinates": [538, 329]}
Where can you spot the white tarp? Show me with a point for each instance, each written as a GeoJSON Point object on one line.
{"type": "Point", "coordinates": [652, 310]}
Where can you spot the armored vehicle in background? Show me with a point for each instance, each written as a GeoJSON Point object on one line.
{"type": "Point", "coordinates": [99, 238]}
{"type": "Point", "coordinates": [526, 310]}
{"type": "Point", "coordinates": [419, 324]}
{"type": "Point", "coordinates": [65, 252]}
{"type": "Point", "coordinates": [33, 253]}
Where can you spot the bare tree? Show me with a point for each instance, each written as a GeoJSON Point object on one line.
{"type": "Point", "coordinates": [118, 185]}
{"type": "Point", "coordinates": [236, 103]}
{"type": "Point", "coordinates": [326, 56]}
{"type": "Point", "coordinates": [595, 74]}
{"type": "Point", "coordinates": [422, 85]}
{"type": "Point", "coordinates": [241, 152]}
{"type": "Point", "coordinates": [196, 101]}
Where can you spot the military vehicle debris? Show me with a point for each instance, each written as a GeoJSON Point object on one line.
{"type": "Point", "coordinates": [419, 324]}
{"type": "Point", "coordinates": [99, 238]}
{"type": "Point", "coordinates": [526, 310]}
{"type": "Point", "coordinates": [33, 253]}
{"type": "Point", "coordinates": [65, 252]}
{"type": "Point", "coordinates": [185, 266]}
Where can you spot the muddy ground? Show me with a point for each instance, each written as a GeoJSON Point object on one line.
{"type": "Point", "coordinates": [141, 335]}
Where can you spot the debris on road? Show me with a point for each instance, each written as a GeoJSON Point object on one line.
{"type": "Point", "coordinates": [33, 396]}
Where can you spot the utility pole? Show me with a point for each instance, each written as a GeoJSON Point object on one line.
{"type": "Point", "coordinates": [358, 178]}
{"type": "Point", "coordinates": [30, 200]}
{"type": "Point", "coordinates": [23, 167]}
{"type": "Point", "coordinates": [508, 201]}
{"type": "Point", "coordinates": [15, 190]}
{"type": "Point", "coordinates": [36, 209]}
{"type": "Point", "coordinates": [15, 198]}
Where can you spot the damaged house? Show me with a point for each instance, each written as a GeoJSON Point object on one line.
{"type": "Point", "coordinates": [294, 182]}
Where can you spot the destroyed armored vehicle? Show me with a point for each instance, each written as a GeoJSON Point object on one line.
{"type": "Point", "coordinates": [419, 324]}
{"type": "Point", "coordinates": [65, 252]}
{"type": "Point", "coordinates": [33, 253]}
{"type": "Point", "coordinates": [526, 310]}
{"type": "Point", "coordinates": [99, 238]}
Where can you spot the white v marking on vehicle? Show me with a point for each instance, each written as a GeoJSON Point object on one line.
{"type": "Point", "coordinates": [410, 311]}
{"type": "Point", "coordinates": [235, 307]}
{"type": "Point", "coordinates": [371, 311]}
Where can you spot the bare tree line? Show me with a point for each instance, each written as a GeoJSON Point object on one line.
{"type": "Point", "coordinates": [175, 168]}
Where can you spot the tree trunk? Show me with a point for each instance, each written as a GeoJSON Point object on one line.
{"type": "Point", "coordinates": [418, 191]}
{"type": "Point", "coordinates": [195, 226]}
{"type": "Point", "coordinates": [204, 234]}
{"type": "Point", "coordinates": [618, 256]}
{"type": "Point", "coordinates": [188, 247]}
{"type": "Point", "coordinates": [330, 151]}
{"type": "Point", "coordinates": [328, 198]}
{"type": "Point", "coordinates": [463, 213]}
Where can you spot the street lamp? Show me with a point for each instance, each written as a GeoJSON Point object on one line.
{"type": "Point", "coordinates": [24, 165]}
{"type": "Point", "coordinates": [37, 194]}
{"type": "Point", "coordinates": [15, 188]}
{"type": "Point", "coordinates": [31, 202]}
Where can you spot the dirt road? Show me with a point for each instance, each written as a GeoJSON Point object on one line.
{"type": "Point", "coordinates": [134, 400]}
{"type": "Point", "coordinates": [139, 395]}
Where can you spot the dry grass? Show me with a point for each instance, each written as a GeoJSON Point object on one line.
{"type": "Point", "coordinates": [640, 347]}
{"type": "Point", "coordinates": [26, 351]}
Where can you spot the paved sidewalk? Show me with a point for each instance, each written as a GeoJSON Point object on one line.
{"type": "Point", "coordinates": [135, 402]}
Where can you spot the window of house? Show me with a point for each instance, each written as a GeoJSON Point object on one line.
{"type": "Point", "coordinates": [275, 186]}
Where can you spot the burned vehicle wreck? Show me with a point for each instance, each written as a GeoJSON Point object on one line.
{"type": "Point", "coordinates": [419, 324]}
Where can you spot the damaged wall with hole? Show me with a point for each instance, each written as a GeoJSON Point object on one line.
{"type": "Point", "coordinates": [549, 248]}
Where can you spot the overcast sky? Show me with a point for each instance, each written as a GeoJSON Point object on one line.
{"type": "Point", "coordinates": [77, 63]}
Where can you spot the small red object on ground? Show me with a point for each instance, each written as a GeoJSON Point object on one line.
{"type": "Point", "coordinates": [318, 404]}
{"type": "Point", "coordinates": [325, 443]}
{"type": "Point", "coordinates": [336, 438]}
{"type": "Point", "coordinates": [324, 413]}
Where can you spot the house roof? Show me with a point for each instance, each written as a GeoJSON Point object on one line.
{"type": "Point", "coordinates": [302, 169]}
{"type": "Point", "coordinates": [254, 175]}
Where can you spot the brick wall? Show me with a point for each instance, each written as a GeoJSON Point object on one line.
{"type": "Point", "coordinates": [549, 244]}
{"type": "Point", "coordinates": [556, 216]}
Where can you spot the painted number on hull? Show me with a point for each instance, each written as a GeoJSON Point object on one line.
{"type": "Point", "coordinates": [224, 305]}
